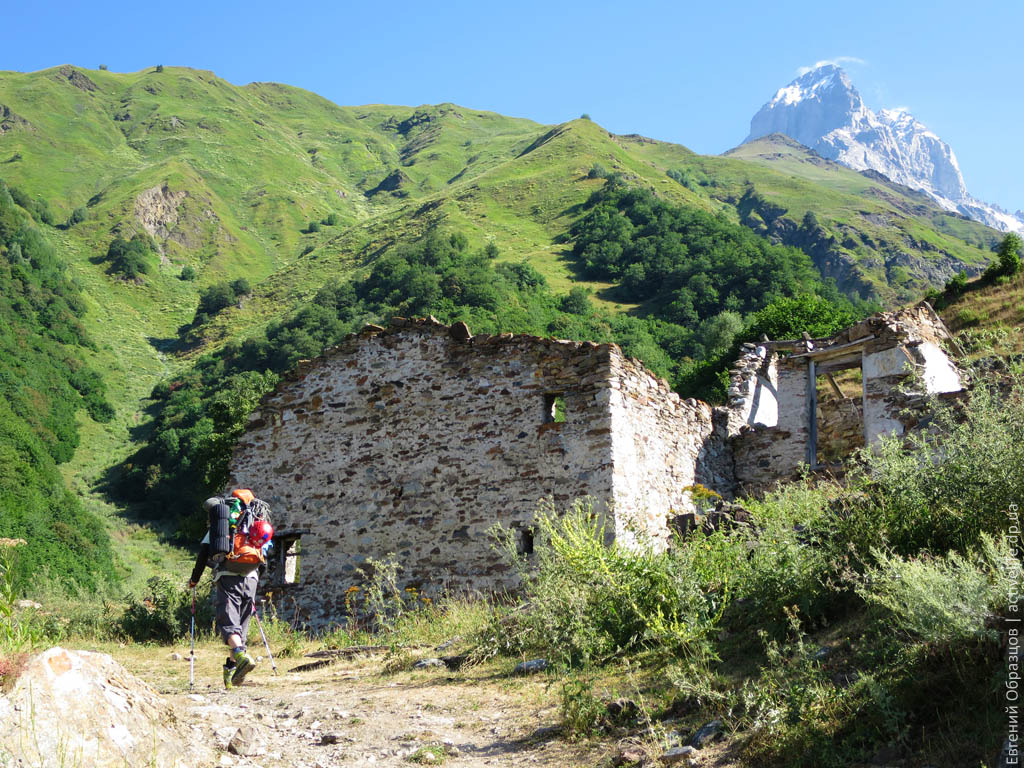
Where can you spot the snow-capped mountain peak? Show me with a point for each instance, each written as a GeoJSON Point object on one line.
{"type": "Point", "coordinates": [822, 110]}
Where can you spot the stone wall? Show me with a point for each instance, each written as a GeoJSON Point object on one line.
{"type": "Point", "coordinates": [415, 440]}
{"type": "Point", "coordinates": [661, 446]}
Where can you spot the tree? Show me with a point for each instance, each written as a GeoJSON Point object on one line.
{"type": "Point", "coordinates": [787, 318]}
{"type": "Point", "coordinates": [314, 226]}
{"type": "Point", "coordinates": [159, 67]}
{"type": "Point", "coordinates": [719, 332]}
{"type": "Point", "coordinates": [128, 258]}
{"type": "Point", "coordinates": [1009, 254]}
{"type": "Point", "coordinates": [331, 220]}
{"type": "Point", "coordinates": [188, 273]}
{"type": "Point", "coordinates": [103, 67]}
{"type": "Point", "coordinates": [576, 302]}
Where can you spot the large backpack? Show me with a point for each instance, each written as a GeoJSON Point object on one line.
{"type": "Point", "coordinates": [230, 547]}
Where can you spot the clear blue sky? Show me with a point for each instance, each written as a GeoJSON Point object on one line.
{"type": "Point", "coordinates": [688, 72]}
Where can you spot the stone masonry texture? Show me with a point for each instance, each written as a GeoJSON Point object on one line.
{"type": "Point", "coordinates": [413, 441]}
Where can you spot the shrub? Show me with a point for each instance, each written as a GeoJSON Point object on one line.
{"type": "Point", "coordinates": [159, 67]}
{"type": "Point", "coordinates": [590, 601]}
{"type": "Point", "coordinates": [583, 713]}
{"type": "Point", "coordinates": [597, 171]}
{"type": "Point", "coordinates": [128, 258]}
{"type": "Point", "coordinates": [968, 317]}
{"type": "Point", "coordinates": [944, 600]}
{"type": "Point", "coordinates": [163, 614]}
{"type": "Point", "coordinates": [313, 226]}
{"type": "Point", "coordinates": [331, 220]}
{"type": "Point", "coordinates": [576, 302]}
{"type": "Point", "coordinates": [943, 490]}
{"type": "Point", "coordinates": [187, 273]}
{"type": "Point", "coordinates": [103, 67]}
{"type": "Point", "coordinates": [78, 215]}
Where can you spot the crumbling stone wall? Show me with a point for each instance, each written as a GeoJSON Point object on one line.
{"type": "Point", "coordinates": [661, 447]}
{"type": "Point", "coordinates": [895, 350]}
{"type": "Point", "coordinates": [765, 455]}
{"type": "Point", "coordinates": [416, 439]}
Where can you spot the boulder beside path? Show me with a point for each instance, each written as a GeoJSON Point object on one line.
{"type": "Point", "coordinates": [83, 708]}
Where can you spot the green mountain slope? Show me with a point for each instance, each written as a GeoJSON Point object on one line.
{"type": "Point", "coordinates": [227, 178]}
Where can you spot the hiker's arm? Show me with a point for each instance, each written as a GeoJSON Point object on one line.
{"type": "Point", "coordinates": [197, 571]}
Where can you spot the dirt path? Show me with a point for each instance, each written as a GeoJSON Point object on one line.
{"type": "Point", "coordinates": [351, 714]}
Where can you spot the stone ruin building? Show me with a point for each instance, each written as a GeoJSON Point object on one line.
{"type": "Point", "coordinates": [414, 440]}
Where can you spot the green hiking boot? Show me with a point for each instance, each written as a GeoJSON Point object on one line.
{"type": "Point", "coordinates": [244, 665]}
{"type": "Point", "coordinates": [229, 672]}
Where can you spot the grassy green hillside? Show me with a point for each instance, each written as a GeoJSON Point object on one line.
{"type": "Point", "coordinates": [237, 174]}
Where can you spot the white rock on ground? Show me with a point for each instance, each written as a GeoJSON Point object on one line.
{"type": "Point", "coordinates": [83, 708]}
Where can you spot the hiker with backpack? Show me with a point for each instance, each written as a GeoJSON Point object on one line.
{"type": "Point", "coordinates": [235, 548]}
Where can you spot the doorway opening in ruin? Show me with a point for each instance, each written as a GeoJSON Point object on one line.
{"type": "Point", "coordinates": [836, 409]}
{"type": "Point", "coordinates": [554, 408]}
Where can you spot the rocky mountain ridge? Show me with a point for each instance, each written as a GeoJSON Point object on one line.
{"type": "Point", "coordinates": [824, 111]}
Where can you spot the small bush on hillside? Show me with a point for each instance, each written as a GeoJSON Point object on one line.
{"type": "Point", "coordinates": [597, 171]}
{"type": "Point", "coordinates": [331, 220]}
{"type": "Point", "coordinates": [188, 273]}
{"type": "Point", "coordinates": [129, 257]}
{"type": "Point", "coordinates": [218, 297]}
{"type": "Point", "coordinates": [1007, 263]}
{"type": "Point", "coordinates": [78, 215]}
{"type": "Point", "coordinates": [313, 226]}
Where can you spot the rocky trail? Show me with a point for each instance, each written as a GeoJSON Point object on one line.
{"type": "Point", "coordinates": [134, 707]}
{"type": "Point", "coordinates": [350, 713]}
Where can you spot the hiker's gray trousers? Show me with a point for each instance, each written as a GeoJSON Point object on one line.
{"type": "Point", "coordinates": [235, 596]}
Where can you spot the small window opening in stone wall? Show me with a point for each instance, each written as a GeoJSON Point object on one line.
{"type": "Point", "coordinates": [285, 560]}
{"type": "Point", "coordinates": [554, 408]}
{"type": "Point", "coordinates": [525, 544]}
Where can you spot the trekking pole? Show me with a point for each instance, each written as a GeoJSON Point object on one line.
{"type": "Point", "coordinates": [263, 634]}
{"type": "Point", "coordinates": [192, 651]}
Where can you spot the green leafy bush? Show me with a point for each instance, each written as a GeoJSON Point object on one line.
{"type": "Point", "coordinates": [78, 215]}
{"type": "Point", "coordinates": [590, 602]}
{"type": "Point", "coordinates": [163, 613]}
{"type": "Point", "coordinates": [583, 714]}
